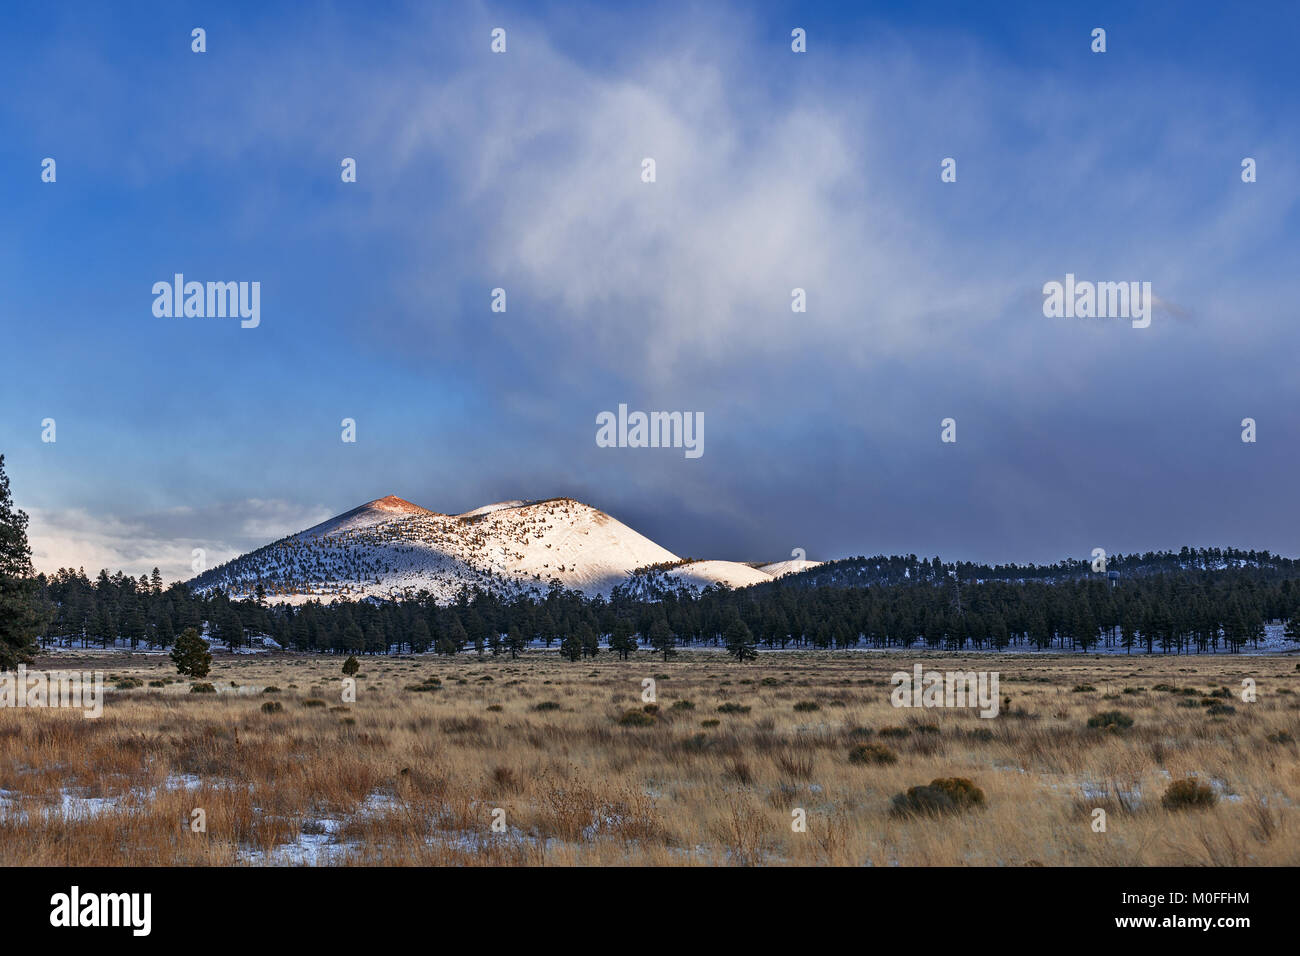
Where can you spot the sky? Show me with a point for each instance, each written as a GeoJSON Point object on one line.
{"type": "Point", "coordinates": [774, 170]}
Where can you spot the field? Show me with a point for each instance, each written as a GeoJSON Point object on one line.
{"type": "Point", "coordinates": [573, 768]}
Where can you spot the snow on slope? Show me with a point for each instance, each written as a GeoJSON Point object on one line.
{"type": "Point", "coordinates": [777, 568]}
{"type": "Point", "coordinates": [700, 574]}
{"type": "Point", "coordinates": [390, 547]}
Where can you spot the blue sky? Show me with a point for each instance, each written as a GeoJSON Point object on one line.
{"type": "Point", "coordinates": [775, 170]}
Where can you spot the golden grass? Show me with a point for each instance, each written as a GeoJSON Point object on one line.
{"type": "Point", "coordinates": [406, 776]}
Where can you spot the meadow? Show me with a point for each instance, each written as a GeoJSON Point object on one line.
{"type": "Point", "coordinates": [491, 761]}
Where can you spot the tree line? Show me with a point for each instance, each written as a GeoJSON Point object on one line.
{"type": "Point", "coordinates": [1184, 611]}
{"type": "Point", "coordinates": [1193, 601]}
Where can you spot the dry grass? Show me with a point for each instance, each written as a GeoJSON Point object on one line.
{"type": "Point", "coordinates": [407, 776]}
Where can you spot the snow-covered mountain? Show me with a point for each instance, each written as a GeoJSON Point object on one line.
{"type": "Point", "coordinates": [389, 548]}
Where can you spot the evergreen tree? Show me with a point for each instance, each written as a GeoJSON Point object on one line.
{"type": "Point", "coordinates": [190, 655]}
{"type": "Point", "coordinates": [622, 640]}
{"type": "Point", "coordinates": [516, 641]}
{"type": "Point", "coordinates": [571, 646]}
{"type": "Point", "coordinates": [1292, 630]}
{"type": "Point", "coordinates": [739, 640]}
{"type": "Point", "coordinates": [22, 612]}
{"type": "Point", "coordinates": [661, 638]}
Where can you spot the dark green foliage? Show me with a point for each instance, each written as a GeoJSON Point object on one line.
{"type": "Point", "coordinates": [946, 795]}
{"type": "Point", "coordinates": [636, 718]}
{"type": "Point", "coordinates": [739, 639]}
{"type": "Point", "coordinates": [1188, 794]}
{"type": "Point", "coordinates": [1113, 720]}
{"type": "Point", "coordinates": [23, 609]}
{"type": "Point", "coordinates": [190, 655]}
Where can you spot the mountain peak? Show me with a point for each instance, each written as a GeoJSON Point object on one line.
{"type": "Point", "coordinates": [394, 503]}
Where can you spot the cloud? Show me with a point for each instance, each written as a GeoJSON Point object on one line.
{"type": "Point", "coordinates": [138, 543]}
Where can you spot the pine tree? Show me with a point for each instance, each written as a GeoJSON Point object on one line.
{"type": "Point", "coordinates": [22, 614]}
{"type": "Point", "coordinates": [1292, 630]}
{"type": "Point", "coordinates": [571, 646]}
{"type": "Point", "coordinates": [739, 639]}
{"type": "Point", "coordinates": [190, 655]}
{"type": "Point", "coordinates": [516, 641]}
{"type": "Point", "coordinates": [661, 638]}
{"type": "Point", "coordinates": [621, 639]}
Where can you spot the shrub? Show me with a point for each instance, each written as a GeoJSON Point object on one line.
{"type": "Point", "coordinates": [731, 707]}
{"type": "Point", "coordinates": [894, 732]}
{"type": "Point", "coordinates": [682, 705]}
{"type": "Point", "coordinates": [946, 795]}
{"type": "Point", "coordinates": [872, 754]}
{"type": "Point", "coordinates": [1112, 720]}
{"type": "Point", "coordinates": [272, 707]}
{"type": "Point", "coordinates": [547, 705]}
{"type": "Point", "coordinates": [313, 702]}
{"type": "Point", "coordinates": [711, 722]}
{"type": "Point", "coordinates": [157, 683]}
{"type": "Point", "coordinates": [1217, 709]}
{"type": "Point", "coordinates": [636, 718]}
{"type": "Point", "coordinates": [495, 708]}
{"type": "Point", "coordinates": [202, 689]}
{"type": "Point", "coordinates": [1083, 689]}
{"type": "Point", "coordinates": [272, 689]}
{"type": "Point", "coordinates": [1280, 737]}
{"type": "Point", "coordinates": [351, 666]}
{"type": "Point", "coordinates": [129, 683]}
{"type": "Point", "coordinates": [1188, 794]}
{"type": "Point", "coordinates": [806, 705]}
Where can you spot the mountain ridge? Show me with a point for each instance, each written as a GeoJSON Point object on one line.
{"type": "Point", "coordinates": [390, 548]}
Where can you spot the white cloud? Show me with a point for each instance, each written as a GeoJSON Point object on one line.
{"type": "Point", "coordinates": [136, 544]}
